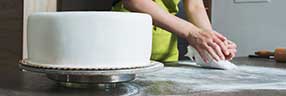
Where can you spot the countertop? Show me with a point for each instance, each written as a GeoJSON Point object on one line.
{"type": "Point", "coordinates": [255, 77]}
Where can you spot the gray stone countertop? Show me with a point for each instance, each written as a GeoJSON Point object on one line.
{"type": "Point", "coordinates": [255, 77]}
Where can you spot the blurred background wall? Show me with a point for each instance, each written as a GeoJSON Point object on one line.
{"type": "Point", "coordinates": [252, 24]}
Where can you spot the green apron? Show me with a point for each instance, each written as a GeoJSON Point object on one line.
{"type": "Point", "coordinates": [164, 43]}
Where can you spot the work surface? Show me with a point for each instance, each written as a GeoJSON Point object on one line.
{"type": "Point", "coordinates": [255, 77]}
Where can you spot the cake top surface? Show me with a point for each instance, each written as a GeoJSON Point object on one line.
{"type": "Point", "coordinates": [106, 13]}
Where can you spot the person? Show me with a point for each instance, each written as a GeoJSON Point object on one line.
{"type": "Point", "coordinates": [197, 29]}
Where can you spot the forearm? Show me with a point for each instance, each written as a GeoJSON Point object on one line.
{"type": "Point", "coordinates": [161, 18]}
{"type": "Point", "coordinates": [197, 14]}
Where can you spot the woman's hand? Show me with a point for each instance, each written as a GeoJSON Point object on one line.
{"type": "Point", "coordinates": [232, 49]}
{"type": "Point", "coordinates": [212, 42]}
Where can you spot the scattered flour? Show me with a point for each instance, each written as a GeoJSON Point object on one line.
{"type": "Point", "coordinates": [197, 79]}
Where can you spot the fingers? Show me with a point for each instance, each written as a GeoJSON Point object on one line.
{"type": "Point", "coordinates": [212, 52]}
{"type": "Point", "coordinates": [231, 55]}
{"type": "Point", "coordinates": [223, 42]}
{"type": "Point", "coordinates": [233, 51]}
{"type": "Point", "coordinates": [222, 45]}
{"type": "Point", "coordinates": [202, 54]}
{"type": "Point", "coordinates": [217, 50]}
{"type": "Point", "coordinates": [220, 36]}
{"type": "Point", "coordinates": [231, 45]}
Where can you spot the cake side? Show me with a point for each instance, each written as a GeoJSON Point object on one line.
{"type": "Point", "coordinates": [90, 39]}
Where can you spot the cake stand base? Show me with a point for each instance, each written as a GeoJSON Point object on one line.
{"type": "Point", "coordinates": [100, 79]}
{"type": "Point", "coordinates": [77, 77]}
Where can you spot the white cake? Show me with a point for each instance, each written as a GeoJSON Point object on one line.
{"type": "Point", "coordinates": [101, 40]}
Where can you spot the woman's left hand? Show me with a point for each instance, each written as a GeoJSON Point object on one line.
{"type": "Point", "coordinates": [231, 46]}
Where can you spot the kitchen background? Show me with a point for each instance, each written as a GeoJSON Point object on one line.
{"type": "Point", "coordinates": [252, 24]}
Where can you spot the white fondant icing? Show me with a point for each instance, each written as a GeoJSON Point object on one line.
{"type": "Point", "coordinates": [90, 39]}
{"type": "Point", "coordinates": [222, 64]}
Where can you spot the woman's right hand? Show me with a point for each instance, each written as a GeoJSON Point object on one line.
{"type": "Point", "coordinates": [208, 41]}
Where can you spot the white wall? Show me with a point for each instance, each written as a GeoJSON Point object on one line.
{"type": "Point", "coordinates": [253, 26]}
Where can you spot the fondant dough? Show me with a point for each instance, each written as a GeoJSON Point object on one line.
{"type": "Point", "coordinates": [222, 64]}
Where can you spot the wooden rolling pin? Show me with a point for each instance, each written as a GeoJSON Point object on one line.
{"type": "Point", "coordinates": [279, 54]}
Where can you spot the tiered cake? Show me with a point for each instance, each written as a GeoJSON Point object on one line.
{"type": "Point", "coordinates": [100, 40]}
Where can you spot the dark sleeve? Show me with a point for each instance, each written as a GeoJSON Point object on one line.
{"type": "Point", "coordinates": [114, 2]}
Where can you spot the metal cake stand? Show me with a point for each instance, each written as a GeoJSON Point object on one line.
{"type": "Point", "coordinates": [82, 77]}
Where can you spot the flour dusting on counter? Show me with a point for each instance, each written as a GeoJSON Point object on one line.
{"type": "Point", "coordinates": [191, 79]}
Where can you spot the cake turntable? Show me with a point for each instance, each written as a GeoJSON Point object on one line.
{"type": "Point", "coordinates": [82, 49]}
{"type": "Point", "coordinates": [89, 77]}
